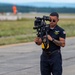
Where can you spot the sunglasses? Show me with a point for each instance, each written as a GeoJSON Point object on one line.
{"type": "Point", "coordinates": [52, 21]}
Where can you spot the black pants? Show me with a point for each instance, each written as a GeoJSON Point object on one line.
{"type": "Point", "coordinates": [51, 64]}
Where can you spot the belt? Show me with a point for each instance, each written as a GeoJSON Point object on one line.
{"type": "Point", "coordinates": [50, 53]}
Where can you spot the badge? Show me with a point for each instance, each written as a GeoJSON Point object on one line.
{"type": "Point", "coordinates": [56, 32]}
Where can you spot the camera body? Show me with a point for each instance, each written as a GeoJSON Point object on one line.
{"type": "Point", "coordinates": [41, 26]}
{"type": "Point", "coordinates": [42, 30]}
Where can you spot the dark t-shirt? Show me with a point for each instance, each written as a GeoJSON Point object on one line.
{"type": "Point", "coordinates": [55, 33]}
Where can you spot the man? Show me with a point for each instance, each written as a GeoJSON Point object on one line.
{"type": "Point", "coordinates": [51, 60]}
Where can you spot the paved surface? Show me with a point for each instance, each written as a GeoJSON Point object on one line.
{"type": "Point", "coordinates": [24, 59]}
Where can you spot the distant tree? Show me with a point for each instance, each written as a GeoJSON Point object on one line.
{"type": "Point", "coordinates": [8, 8]}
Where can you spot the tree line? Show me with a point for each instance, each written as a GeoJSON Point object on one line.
{"type": "Point", "coordinates": [26, 9]}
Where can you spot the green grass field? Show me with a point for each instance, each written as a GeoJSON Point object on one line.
{"type": "Point", "coordinates": [69, 26]}
{"type": "Point", "coordinates": [21, 31]}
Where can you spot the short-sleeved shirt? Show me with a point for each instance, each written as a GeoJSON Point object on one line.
{"type": "Point", "coordinates": [56, 33]}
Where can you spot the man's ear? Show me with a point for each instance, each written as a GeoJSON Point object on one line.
{"type": "Point", "coordinates": [58, 19]}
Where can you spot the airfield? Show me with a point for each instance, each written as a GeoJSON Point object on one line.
{"type": "Point", "coordinates": [24, 58]}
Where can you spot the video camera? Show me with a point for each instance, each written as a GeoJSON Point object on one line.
{"type": "Point", "coordinates": [42, 29]}
{"type": "Point", "coordinates": [41, 26]}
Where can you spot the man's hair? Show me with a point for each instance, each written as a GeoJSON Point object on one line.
{"type": "Point", "coordinates": [54, 14]}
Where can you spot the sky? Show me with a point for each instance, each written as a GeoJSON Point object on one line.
{"type": "Point", "coordinates": [26, 1]}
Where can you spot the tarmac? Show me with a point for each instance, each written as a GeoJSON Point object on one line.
{"type": "Point", "coordinates": [24, 58]}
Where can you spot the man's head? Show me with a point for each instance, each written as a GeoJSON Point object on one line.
{"type": "Point", "coordinates": [54, 18]}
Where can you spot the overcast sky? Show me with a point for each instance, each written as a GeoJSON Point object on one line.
{"type": "Point", "coordinates": [24, 1]}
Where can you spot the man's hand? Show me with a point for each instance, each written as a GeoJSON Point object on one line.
{"type": "Point", "coordinates": [38, 40]}
{"type": "Point", "coordinates": [49, 37]}
{"type": "Point", "coordinates": [60, 42]}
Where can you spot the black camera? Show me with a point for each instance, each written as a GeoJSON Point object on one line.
{"type": "Point", "coordinates": [42, 30]}
{"type": "Point", "coordinates": [41, 26]}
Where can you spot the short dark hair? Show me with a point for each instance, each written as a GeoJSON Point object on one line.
{"type": "Point", "coordinates": [54, 14]}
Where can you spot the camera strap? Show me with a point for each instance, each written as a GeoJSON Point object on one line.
{"type": "Point", "coordinates": [45, 44]}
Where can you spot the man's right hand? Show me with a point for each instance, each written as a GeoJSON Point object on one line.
{"type": "Point", "coordinates": [38, 40]}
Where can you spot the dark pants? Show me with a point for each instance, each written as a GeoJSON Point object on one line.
{"type": "Point", "coordinates": [51, 64]}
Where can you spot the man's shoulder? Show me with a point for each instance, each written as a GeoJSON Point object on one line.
{"type": "Point", "coordinates": [60, 28]}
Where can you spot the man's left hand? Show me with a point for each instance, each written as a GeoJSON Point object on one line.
{"type": "Point", "coordinates": [49, 37]}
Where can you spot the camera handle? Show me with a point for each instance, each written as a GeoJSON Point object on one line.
{"type": "Point", "coordinates": [45, 42]}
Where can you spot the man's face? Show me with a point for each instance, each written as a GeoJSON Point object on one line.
{"type": "Point", "coordinates": [53, 21]}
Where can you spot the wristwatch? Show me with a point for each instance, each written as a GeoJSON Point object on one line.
{"type": "Point", "coordinates": [53, 39]}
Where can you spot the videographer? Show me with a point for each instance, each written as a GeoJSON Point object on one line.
{"type": "Point", "coordinates": [51, 58]}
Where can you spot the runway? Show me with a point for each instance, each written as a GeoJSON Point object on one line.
{"type": "Point", "coordinates": [24, 59]}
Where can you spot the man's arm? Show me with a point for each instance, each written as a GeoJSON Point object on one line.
{"type": "Point", "coordinates": [60, 42]}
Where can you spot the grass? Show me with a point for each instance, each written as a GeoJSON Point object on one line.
{"type": "Point", "coordinates": [12, 28]}
{"type": "Point", "coordinates": [22, 30]}
{"type": "Point", "coordinates": [69, 26]}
